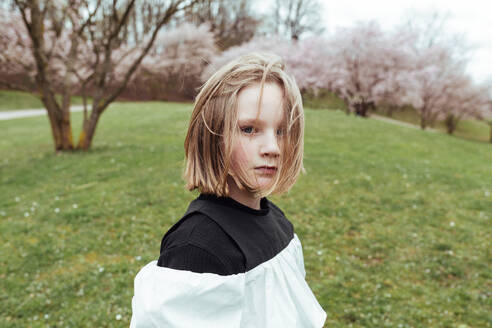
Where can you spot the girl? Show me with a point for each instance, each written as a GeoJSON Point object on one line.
{"type": "Point", "coordinates": [233, 260]}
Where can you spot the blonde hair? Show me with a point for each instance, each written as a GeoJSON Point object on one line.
{"type": "Point", "coordinates": [213, 127]}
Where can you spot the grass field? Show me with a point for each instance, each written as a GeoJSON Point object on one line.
{"type": "Point", "coordinates": [395, 222]}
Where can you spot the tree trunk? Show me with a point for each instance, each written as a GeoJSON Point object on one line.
{"type": "Point", "coordinates": [357, 109]}
{"type": "Point", "coordinates": [88, 131]}
{"type": "Point", "coordinates": [361, 109]}
{"type": "Point", "coordinates": [66, 129]}
{"type": "Point", "coordinates": [423, 122]}
{"type": "Point", "coordinates": [55, 129]}
{"type": "Point", "coordinates": [61, 128]}
{"type": "Point", "coordinates": [450, 124]}
{"type": "Point", "coordinates": [390, 110]}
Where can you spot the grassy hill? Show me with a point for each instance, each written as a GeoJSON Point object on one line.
{"type": "Point", "coordinates": [395, 222]}
{"type": "Point", "coordinates": [470, 129]}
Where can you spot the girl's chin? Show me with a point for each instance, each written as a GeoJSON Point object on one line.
{"type": "Point", "coordinates": [263, 182]}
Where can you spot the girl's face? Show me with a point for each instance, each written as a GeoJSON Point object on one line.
{"type": "Point", "coordinates": [258, 145]}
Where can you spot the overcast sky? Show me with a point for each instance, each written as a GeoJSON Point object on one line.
{"type": "Point", "coordinates": [472, 18]}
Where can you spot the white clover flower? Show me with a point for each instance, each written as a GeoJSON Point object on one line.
{"type": "Point", "coordinates": [335, 182]}
{"type": "Point", "coordinates": [57, 198]}
{"type": "Point", "coordinates": [2, 213]}
{"type": "Point", "coordinates": [319, 252]}
{"type": "Point", "coordinates": [17, 198]}
{"type": "Point", "coordinates": [138, 258]}
{"type": "Point", "coordinates": [101, 269]}
{"type": "Point", "coordinates": [46, 316]}
{"type": "Point", "coordinates": [26, 214]}
{"type": "Point", "coordinates": [118, 317]}
{"type": "Point", "coordinates": [486, 193]}
{"type": "Point", "coordinates": [75, 206]}
{"type": "Point", "coordinates": [452, 224]}
{"type": "Point", "coordinates": [57, 210]}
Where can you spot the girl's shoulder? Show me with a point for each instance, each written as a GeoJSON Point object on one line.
{"type": "Point", "coordinates": [198, 244]}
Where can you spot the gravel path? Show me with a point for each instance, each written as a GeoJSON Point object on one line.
{"type": "Point", "coordinates": [21, 113]}
{"type": "Point", "coordinates": [393, 121]}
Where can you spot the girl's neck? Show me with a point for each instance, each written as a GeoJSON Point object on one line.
{"type": "Point", "coordinates": [243, 196]}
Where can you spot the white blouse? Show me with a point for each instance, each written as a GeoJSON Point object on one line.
{"type": "Point", "coordinates": [272, 294]}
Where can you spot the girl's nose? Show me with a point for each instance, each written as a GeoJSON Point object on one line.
{"type": "Point", "coordinates": [270, 145]}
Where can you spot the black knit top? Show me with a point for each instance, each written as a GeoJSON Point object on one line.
{"type": "Point", "coordinates": [222, 236]}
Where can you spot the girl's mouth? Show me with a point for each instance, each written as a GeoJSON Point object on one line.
{"type": "Point", "coordinates": [266, 169]}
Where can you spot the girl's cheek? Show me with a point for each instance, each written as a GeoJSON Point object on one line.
{"type": "Point", "coordinates": [242, 157]}
{"type": "Point", "coordinates": [239, 155]}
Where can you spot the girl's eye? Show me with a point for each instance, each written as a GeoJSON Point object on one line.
{"type": "Point", "coordinates": [248, 129]}
{"type": "Point", "coordinates": [280, 132]}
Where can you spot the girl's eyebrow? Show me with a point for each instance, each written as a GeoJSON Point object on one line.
{"type": "Point", "coordinates": [252, 121]}
{"type": "Point", "coordinates": [249, 121]}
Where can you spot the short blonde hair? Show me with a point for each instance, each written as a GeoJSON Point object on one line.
{"type": "Point", "coordinates": [213, 126]}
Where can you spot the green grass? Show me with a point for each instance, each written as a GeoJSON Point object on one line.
{"type": "Point", "coordinates": [14, 100]}
{"type": "Point", "coordinates": [395, 222]}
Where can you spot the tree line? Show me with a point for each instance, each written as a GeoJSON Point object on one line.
{"type": "Point", "coordinates": [165, 49]}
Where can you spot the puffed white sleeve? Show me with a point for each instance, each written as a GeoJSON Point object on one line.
{"type": "Point", "coordinates": [165, 297]}
{"type": "Point", "coordinates": [300, 256]}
